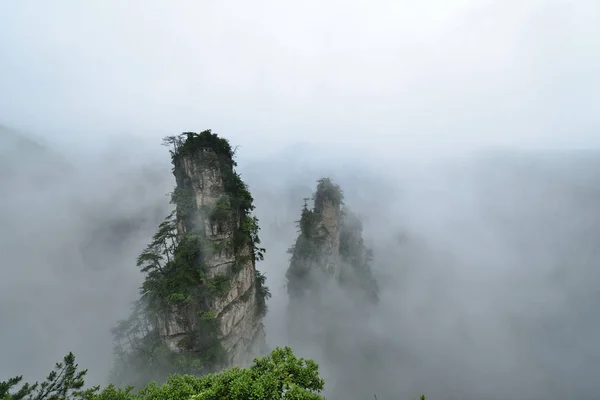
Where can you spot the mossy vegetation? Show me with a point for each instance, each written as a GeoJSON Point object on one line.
{"type": "Point", "coordinates": [178, 286]}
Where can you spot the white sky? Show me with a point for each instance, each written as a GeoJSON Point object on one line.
{"type": "Point", "coordinates": [384, 76]}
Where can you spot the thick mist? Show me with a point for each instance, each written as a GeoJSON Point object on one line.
{"type": "Point", "coordinates": [70, 230]}
{"type": "Point", "coordinates": [486, 260]}
{"type": "Point", "coordinates": [486, 265]}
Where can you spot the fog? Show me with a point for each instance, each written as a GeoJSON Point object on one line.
{"type": "Point", "coordinates": [457, 131]}
{"type": "Point", "coordinates": [69, 236]}
{"type": "Point", "coordinates": [486, 264]}
{"type": "Point", "coordinates": [487, 267]}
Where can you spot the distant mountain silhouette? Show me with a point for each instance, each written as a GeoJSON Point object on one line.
{"type": "Point", "coordinates": [24, 157]}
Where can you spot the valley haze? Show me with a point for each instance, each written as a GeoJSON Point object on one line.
{"type": "Point", "coordinates": [465, 135]}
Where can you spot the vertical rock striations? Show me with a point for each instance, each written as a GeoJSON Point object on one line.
{"type": "Point", "coordinates": [203, 299]}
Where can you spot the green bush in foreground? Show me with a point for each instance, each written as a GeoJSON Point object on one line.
{"type": "Point", "coordinates": [279, 375]}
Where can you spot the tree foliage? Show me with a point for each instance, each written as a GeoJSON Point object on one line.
{"type": "Point", "coordinates": [278, 376]}
{"type": "Point", "coordinates": [327, 191]}
{"type": "Point", "coordinates": [64, 382]}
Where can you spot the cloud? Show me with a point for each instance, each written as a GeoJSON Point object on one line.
{"type": "Point", "coordinates": [70, 233]}
{"type": "Point", "coordinates": [486, 270]}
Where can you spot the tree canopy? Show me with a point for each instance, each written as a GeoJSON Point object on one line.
{"type": "Point", "coordinates": [277, 376]}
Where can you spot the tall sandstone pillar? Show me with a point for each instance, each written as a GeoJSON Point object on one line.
{"type": "Point", "coordinates": [214, 205]}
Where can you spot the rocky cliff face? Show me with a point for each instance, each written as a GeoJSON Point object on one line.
{"type": "Point", "coordinates": [203, 299]}
{"type": "Point", "coordinates": [202, 173]}
{"type": "Point", "coordinates": [329, 247]}
{"type": "Point", "coordinates": [330, 287]}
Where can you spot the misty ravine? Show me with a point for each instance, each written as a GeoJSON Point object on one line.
{"type": "Point", "coordinates": [470, 278]}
